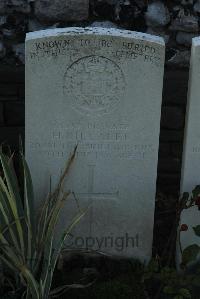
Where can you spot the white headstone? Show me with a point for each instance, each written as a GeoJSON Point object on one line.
{"type": "Point", "coordinates": [190, 176]}
{"type": "Point", "coordinates": [100, 89]}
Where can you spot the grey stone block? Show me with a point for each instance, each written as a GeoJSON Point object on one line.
{"type": "Point", "coordinates": [176, 149]}
{"type": "Point", "coordinates": [8, 89]}
{"type": "Point", "coordinates": [172, 118]}
{"type": "Point", "coordinates": [175, 86]}
{"type": "Point", "coordinates": [11, 135]}
{"type": "Point", "coordinates": [171, 136]}
{"type": "Point", "coordinates": [61, 10]}
{"type": "Point", "coordinates": [157, 14]}
{"type": "Point", "coordinates": [1, 114]}
{"type": "Point", "coordinates": [12, 74]}
{"type": "Point", "coordinates": [14, 113]}
{"type": "Point", "coordinates": [164, 149]}
{"type": "Point", "coordinates": [169, 165]}
{"type": "Point", "coordinates": [10, 6]}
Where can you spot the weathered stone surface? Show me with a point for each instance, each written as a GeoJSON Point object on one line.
{"type": "Point", "coordinates": [187, 2]}
{"type": "Point", "coordinates": [61, 10]}
{"type": "Point", "coordinates": [9, 33]}
{"type": "Point", "coordinates": [169, 183]}
{"type": "Point", "coordinates": [19, 50]}
{"type": "Point", "coordinates": [11, 135]}
{"type": "Point", "coordinates": [2, 20]}
{"type": "Point", "coordinates": [185, 38]}
{"type": "Point", "coordinates": [169, 164]}
{"type": "Point", "coordinates": [157, 14]}
{"type": "Point", "coordinates": [19, 5]}
{"type": "Point", "coordinates": [87, 79]}
{"type": "Point", "coordinates": [13, 75]}
{"type": "Point", "coordinates": [14, 113]}
{"type": "Point", "coordinates": [159, 32]}
{"type": "Point", "coordinates": [181, 58]}
{"type": "Point", "coordinates": [140, 3]}
{"type": "Point", "coordinates": [2, 50]}
{"type": "Point", "coordinates": [9, 6]}
{"type": "Point", "coordinates": [110, 2]}
{"type": "Point", "coordinates": [164, 149]}
{"type": "Point", "coordinates": [172, 118]}
{"type": "Point", "coordinates": [185, 23]}
{"type": "Point", "coordinates": [191, 150]}
{"type": "Point", "coordinates": [2, 7]}
{"type": "Point", "coordinates": [171, 136]}
{"type": "Point", "coordinates": [197, 6]}
{"type": "Point", "coordinates": [175, 87]}
{"type": "Point", "coordinates": [21, 92]}
{"type": "Point", "coordinates": [35, 25]}
{"type": "Point", "coordinates": [176, 149]}
{"type": "Point", "coordinates": [104, 24]}
{"type": "Point", "coordinates": [1, 113]}
{"type": "Point", "coordinates": [5, 90]}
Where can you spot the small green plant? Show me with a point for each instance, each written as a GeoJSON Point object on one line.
{"type": "Point", "coordinates": [26, 240]}
{"type": "Point", "coordinates": [170, 282]}
{"type": "Point", "coordinates": [190, 253]}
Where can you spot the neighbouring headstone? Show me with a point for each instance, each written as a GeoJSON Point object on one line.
{"type": "Point", "coordinates": [190, 176]}
{"type": "Point", "coordinates": [100, 89]}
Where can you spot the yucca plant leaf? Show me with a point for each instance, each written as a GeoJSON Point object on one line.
{"type": "Point", "coordinates": [21, 147]}
{"type": "Point", "coordinates": [5, 209]}
{"type": "Point", "coordinates": [42, 223]}
{"type": "Point", "coordinates": [11, 180]}
{"type": "Point", "coordinates": [52, 198]}
{"type": "Point", "coordinates": [58, 248]}
{"type": "Point", "coordinates": [51, 217]}
{"type": "Point", "coordinates": [47, 243]}
{"type": "Point", "coordinates": [54, 254]}
{"type": "Point", "coordinates": [27, 294]}
{"type": "Point", "coordinates": [47, 273]}
{"type": "Point", "coordinates": [65, 234]}
{"type": "Point", "coordinates": [10, 253]}
{"type": "Point", "coordinates": [33, 286]}
{"type": "Point", "coordinates": [12, 191]}
{"type": "Point", "coordinates": [59, 186]}
{"type": "Point", "coordinates": [28, 196]}
{"type": "Point", "coordinates": [27, 248]}
{"type": "Point", "coordinates": [52, 221]}
{"type": "Point", "coordinates": [48, 230]}
{"type": "Point", "coordinates": [8, 263]}
{"type": "Point", "coordinates": [5, 220]}
{"type": "Point", "coordinates": [11, 201]}
{"type": "Point", "coordinates": [29, 210]}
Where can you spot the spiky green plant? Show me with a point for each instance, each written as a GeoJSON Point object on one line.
{"type": "Point", "coordinates": [26, 238]}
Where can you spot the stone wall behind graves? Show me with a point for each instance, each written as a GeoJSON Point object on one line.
{"type": "Point", "coordinates": [177, 21]}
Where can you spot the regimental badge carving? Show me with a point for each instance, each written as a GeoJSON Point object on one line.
{"type": "Point", "coordinates": [94, 85]}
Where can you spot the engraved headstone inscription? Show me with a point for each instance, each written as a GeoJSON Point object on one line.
{"type": "Point", "coordinates": [190, 176]}
{"type": "Point", "coordinates": [100, 89]}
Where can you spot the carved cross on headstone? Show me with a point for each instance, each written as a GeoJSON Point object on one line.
{"type": "Point", "coordinates": [90, 194]}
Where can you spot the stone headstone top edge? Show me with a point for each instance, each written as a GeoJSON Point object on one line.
{"type": "Point", "coordinates": [196, 41]}
{"type": "Point", "coordinates": [94, 31]}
